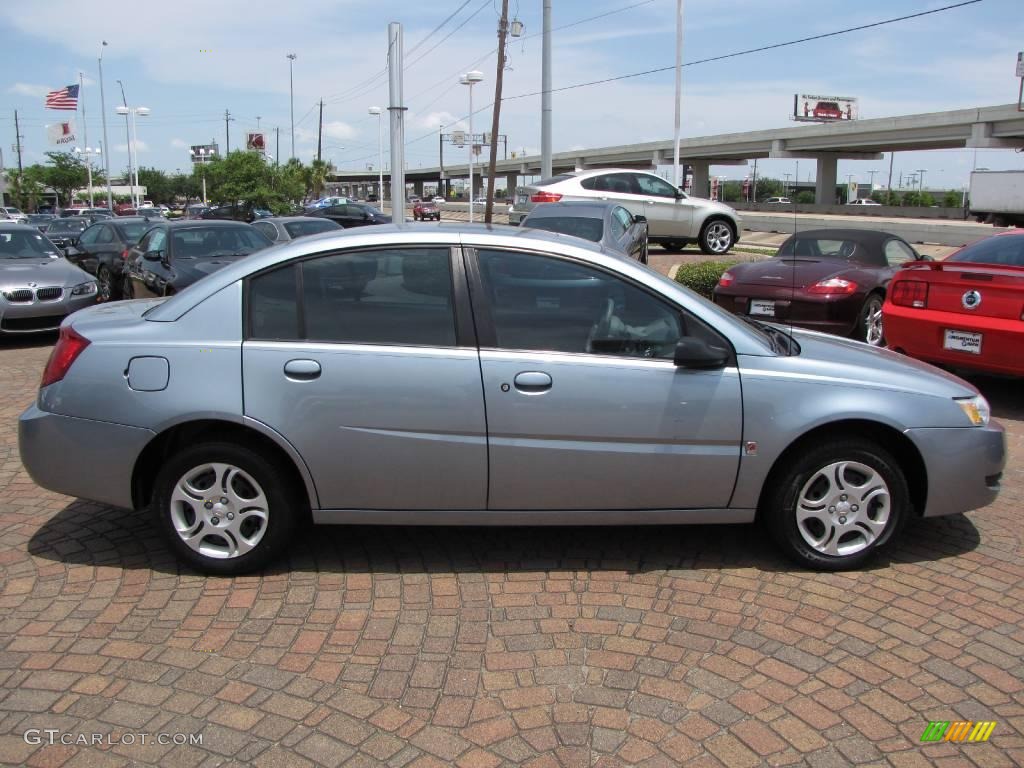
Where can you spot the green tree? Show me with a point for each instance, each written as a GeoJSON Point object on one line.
{"type": "Point", "coordinates": [805, 197]}
{"type": "Point", "coordinates": [244, 177]}
{"type": "Point", "coordinates": [927, 200]}
{"type": "Point", "coordinates": [65, 173]}
{"type": "Point", "coordinates": [952, 199]}
{"type": "Point", "coordinates": [768, 187]}
{"type": "Point", "coordinates": [317, 175]}
{"type": "Point", "coordinates": [732, 191]}
{"type": "Point", "coordinates": [910, 199]}
{"type": "Point", "coordinates": [157, 184]}
{"type": "Point", "coordinates": [891, 198]}
{"type": "Point", "coordinates": [27, 189]}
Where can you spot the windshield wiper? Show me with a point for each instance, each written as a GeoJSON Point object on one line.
{"type": "Point", "coordinates": [780, 340]}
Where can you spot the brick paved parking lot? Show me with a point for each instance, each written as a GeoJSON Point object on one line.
{"type": "Point", "coordinates": [489, 647]}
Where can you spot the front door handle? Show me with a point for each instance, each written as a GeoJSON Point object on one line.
{"type": "Point", "coordinates": [302, 370]}
{"type": "Point", "coordinates": [532, 381]}
{"type": "Point", "coordinates": [651, 202]}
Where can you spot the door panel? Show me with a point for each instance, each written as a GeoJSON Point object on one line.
{"type": "Point", "coordinates": [610, 433]}
{"type": "Point", "coordinates": [367, 380]}
{"type": "Point", "coordinates": [667, 216]}
{"type": "Point", "coordinates": [605, 419]}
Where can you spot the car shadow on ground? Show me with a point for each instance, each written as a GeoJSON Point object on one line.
{"type": "Point", "coordinates": [1004, 394]}
{"type": "Point", "coordinates": [85, 533]}
{"type": "Point", "coordinates": [29, 340]}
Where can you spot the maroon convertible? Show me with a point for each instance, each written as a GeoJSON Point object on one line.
{"type": "Point", "coordinates": [831, 280]}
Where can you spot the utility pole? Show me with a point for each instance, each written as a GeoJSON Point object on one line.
{"type": "Point", "coordinates": [679, 94]}
{"type": "Point", "coordinates": [892, 156]}
{"type": "Point", "coordinates": [277, 147]}
{"type": "Point", "coordinates": [17, 139]}
{"type": "Point", "coordinates": [496, 113]}
{"type": "Point", "coordinates": [545, 95]}
{"type": "Point", "coordinates": [106, 145]}
{"type": "Point", "coordinates": [85, 136]}
{"type": "Point", "coordinates": [440, 161]}
{"type": "Point", "coordinates": [320, 131]}
{"type": "Point", "coordinates": [227, 132]}
{"type": "Point", "coordinates": [396, 110]}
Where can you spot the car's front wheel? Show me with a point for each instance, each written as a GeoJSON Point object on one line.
{"type": "Point", "coordinates": [836, 503]}
{"type": "Point", "coordinates": [716, 237]}
{"type": "Point", "coordinates": [224, 508]}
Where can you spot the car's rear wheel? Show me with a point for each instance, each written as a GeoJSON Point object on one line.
{"type": "Point", "coordinates": [224, 508]}
{"type": "Point", "coordinates": [105, 284]}
{"type": "Point", "coordinates": [836, 503]}
{"type": "Point", "coordinates": [716, 237]}
{"type": "Point", "coordinates": [869, 323]}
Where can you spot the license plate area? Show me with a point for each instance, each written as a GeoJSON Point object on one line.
{"type": "Point", "coordinates": [522, 199]}
{"type": "Point", "coordinates": [762, 308]}
{"type": "Point", "coordinates": [962, 341]}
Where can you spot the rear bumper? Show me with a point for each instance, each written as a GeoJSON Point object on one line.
{"type": "Point", "coordinates": [79, 457]}
{"type": "Point", "coordinates": [920, 333]}
{"type": "Point", "coordinates": [836, 315]}
{"type": "Point", "coordinates": [963, 465]}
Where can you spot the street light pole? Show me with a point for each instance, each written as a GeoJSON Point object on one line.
{"type": "Point", "coordinates": [128, 142]}
{"type": "Point", "coordinates": [380, 153]}
{"type": "Point", "coordinates": [291, 94]}
{"type": "Point", "coordinates": [545, 97]}
{"type": "Point", "coordinates": [679, 94]}
{"type": "Point", "coordinates": [471, 78]}
{"type": "Point", "coordinates": [921, 171]}
{"type": "Point", "coordinates": [106, 146]}
{"type": "Point", "coordinates": [133, 111]}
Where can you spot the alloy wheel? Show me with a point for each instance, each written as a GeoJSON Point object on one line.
{"type": "Point", "coordinates": [718, 237]}
{"type": "Point", "coordinates": [219, 510]}
{"type": "Point", "coordinates": [843, 508]}
{"type": "Point", "coordinates": [873, 332]}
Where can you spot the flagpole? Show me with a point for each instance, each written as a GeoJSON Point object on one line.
{"type": "Point", "coordinates": [85, 135]}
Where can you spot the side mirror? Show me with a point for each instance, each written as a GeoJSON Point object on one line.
{"type": "Point", "coordinates": [71, 251]}
{"type": "Point", "coordinates": [639, 219]}
{"type": "Point", "coordinates": [680, 194]}
{"type": "Point", "coordinates": [366, 216]}
{"type": "Point", "coordinates": [153, 255]}
{"type": "Point", "coordinates": [697, 354]}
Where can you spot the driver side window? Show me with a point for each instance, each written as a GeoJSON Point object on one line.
{"type": "Point", "coordinates": [540, 303]}
{"type": "Point", "coordinates": [154, 241]}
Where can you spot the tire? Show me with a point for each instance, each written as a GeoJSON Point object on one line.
{"type": "Point", "coordinates": [105, 285]}
{"type": "Point", "coordinates": [674, 245]}
{"type": "Point", "coordinates": [828, 540]}
{"type": "Point", "coordinates": [869, 322]}
{"type": "Point", "coordinates": [716, 237]}
{"type": "Point", "coordinates": [254, 525]}
{"type": "Point", "coordinates": [645, 253]}
{"type": "Point", "coordinates": [127, 290]}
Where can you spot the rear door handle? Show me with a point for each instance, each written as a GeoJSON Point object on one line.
{"type": "Point", "coordinates": [302, 370]}
{"type": "Point", "coordinates": [532, 381]}
{"type": "Point", "coordinates": [651, 202]}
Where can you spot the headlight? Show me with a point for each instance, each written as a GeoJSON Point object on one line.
{"type": "Point", "coordinates": [976, 409]}
{"type": "Point", "coordinates": [85, 289]}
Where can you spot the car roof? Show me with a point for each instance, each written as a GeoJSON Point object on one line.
{"type": "Point", "coordinates": [193, 223]}
{"type": "Point", "coordinates": [290, 219]}
{"type": "Point", "coordinates": [872, 236]}
{"type": "Point", "coordinates": [584, 208]}
{"type": "Point", "coordinates": [7, 226]}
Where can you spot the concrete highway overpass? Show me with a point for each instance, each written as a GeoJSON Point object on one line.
{"type": "Point", "coordinates": [998, 127]}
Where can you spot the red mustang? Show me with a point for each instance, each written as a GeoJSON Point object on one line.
{"type": "Point", "coordinates": [964, 312]}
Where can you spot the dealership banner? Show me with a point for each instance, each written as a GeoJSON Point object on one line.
{"type": "Point", "coordinates": [61, 134]}
{"type": "Point", "coordinates": [201, 153]}
{"type": "Point", "coordinates": [824, 109]}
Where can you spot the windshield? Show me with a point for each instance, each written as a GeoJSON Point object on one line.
{"type": "Point", "coordinates": [67, 226]}
{"type": "Point", "coordinates": [25, 245]}
{"type": "Point", "coordinates": [133, 230]}
{"type": "Point", "coordinates": [206, 242]}
{"type": "Point", "coordinates": [1004, 250]}
{"type": "Point", "coordinates": [313, 226]}
{"type": "Point", "coordinates": [577, 226]}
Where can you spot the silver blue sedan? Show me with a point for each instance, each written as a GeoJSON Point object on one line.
{"type": "Point", "coordinates": [463, 375]}
{"type": "Point", "coordinates": [609, 224]}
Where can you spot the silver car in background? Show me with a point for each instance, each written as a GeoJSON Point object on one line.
{"type": "Point", "coordinates": [673, 217]}
{"type": "Point", "coordinates": [446, 374]}
{"type": "Point", "coordinates": [38, 286]}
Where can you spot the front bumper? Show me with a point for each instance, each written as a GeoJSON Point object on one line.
{"type": "Point", "coordinates": [36, 316]}
{"type": "Point", "coordinates": [80, 457]}
{"type": "Point", "coordinates": [963, 466]}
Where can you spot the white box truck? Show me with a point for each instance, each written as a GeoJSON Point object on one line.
{"type": "Point", "coordinates": [997, 197]}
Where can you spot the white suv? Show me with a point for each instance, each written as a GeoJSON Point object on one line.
{"type": "Point", "coordinates": [673, 217]}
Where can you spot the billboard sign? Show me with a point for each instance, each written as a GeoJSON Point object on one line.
{"type": "Point", "coordinates": [808, 108]}
{"type": "Point", "coordinates": [255, 142]}
{"type": "Point", "coordinates": [1020, 64]}
{"type": "Point", "coordinates": [459, 138]}
{"type": "Point", "coordinates": [201, 153]}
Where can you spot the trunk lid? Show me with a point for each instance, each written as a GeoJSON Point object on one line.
{"type": "Point", "coordinates": [784, 273]}
{"type": "Point", "coordinates": [971, 289]}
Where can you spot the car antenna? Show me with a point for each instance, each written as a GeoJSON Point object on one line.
{"type": "Point", "coordinates": [792, 284]}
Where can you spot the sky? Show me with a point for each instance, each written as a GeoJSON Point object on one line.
{"type": "Point", "coordinates": [190, 61]}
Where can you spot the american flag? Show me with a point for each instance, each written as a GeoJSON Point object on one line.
{"type": "Point", "coordinates": [65, 98]}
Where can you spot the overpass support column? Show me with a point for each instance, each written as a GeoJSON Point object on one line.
{"type": "Point", "coordinates": [511, 180]}
{"type": "Point", "coordinates": [417, 189]}
{"type": "Point", "coordinates": [825, 186]}
{"type": "Point", "coordinates": [701, 178]}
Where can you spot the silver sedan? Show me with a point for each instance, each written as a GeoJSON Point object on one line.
{"type": "Point", "coordinates": [38, 286]}
{"type": "Point", "coordinates": [463, 375]}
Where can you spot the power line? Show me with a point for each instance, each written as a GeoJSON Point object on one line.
{"type": "Point", "coordinates": [438, 27]}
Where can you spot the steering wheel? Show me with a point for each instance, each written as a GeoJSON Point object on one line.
{"type": "Point", "coordinates": [603, 326]}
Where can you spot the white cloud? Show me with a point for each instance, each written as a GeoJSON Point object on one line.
{"type": "Point", "coordinates": [140, 146]}
{"type": "Point", "coordinates": [29, 89]}
{"type": "Point", "coordinates": [178, 143]}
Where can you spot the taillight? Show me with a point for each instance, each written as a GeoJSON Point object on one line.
{"type": "Point", "coordinates": [834, 286]}
{"type": "Point", "coordinates": [545, 197]}
{"type": "Point", "coordinates": [124, 255]}
{"type": "Point", "coordinates": [909, 293]}
{"type": "Point", "coordinates": [726, 279]}
{"type": "Point", "coordinates": [69, 346]}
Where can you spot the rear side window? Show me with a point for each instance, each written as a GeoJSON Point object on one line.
{"type": "Point", "coordinates": [394, 296]}
{"type": "Point", "coordinates": [267, 229]}
{"type": "Point", "coordinates": [1004, 250]}
{"type": "Point", "coordinates": [312, 227]}
{"type": "Point", "coordinates": [577, 226]}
